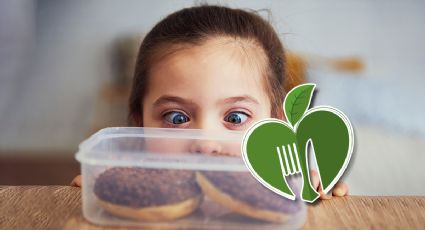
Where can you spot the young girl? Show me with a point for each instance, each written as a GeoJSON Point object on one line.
{"type": "Point", "coordinates": [210, 67]}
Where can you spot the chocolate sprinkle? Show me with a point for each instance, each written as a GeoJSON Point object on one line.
{"type": "Point", "coordinates": [244, 187]}
{"type": "Point", "coordinates": [139, 187]}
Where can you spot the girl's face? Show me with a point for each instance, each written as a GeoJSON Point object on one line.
{"type": "Point", "coordinates": [218, 85]}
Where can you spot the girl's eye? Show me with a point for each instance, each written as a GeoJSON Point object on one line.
{"type": "Point", "coordinates": [176, 117]}
{"type": "Point", "coordinates": [236, 117]}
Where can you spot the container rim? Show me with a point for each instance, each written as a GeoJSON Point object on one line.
{"type": "Point", "coordinates": [147, 132]}
{"type": "Point", "coordinates": [173, 161]}
{"type": "Point", "coordinates": [144, 159]}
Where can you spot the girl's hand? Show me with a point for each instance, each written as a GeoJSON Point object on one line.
{"type": "Point", "coordinates": [76, 182]}
{"type": "Point", "coordinates": [340, 189]}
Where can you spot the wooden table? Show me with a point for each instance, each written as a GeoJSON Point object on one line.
{"type": "Point", "coordinates": [59, 207]}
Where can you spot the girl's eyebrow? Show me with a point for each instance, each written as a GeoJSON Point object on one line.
{"type": "Point", "coordinates": [179, 100]}
{"type": "Point", "coordinates": [174, 99]}
{"type": "Point", "coordinates": [243, 98]}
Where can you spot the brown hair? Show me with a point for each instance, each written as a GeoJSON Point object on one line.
{"type": "Point", "coordinates": [193, 26]}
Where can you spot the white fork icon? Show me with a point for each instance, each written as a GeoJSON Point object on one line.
{"type": "Point", "coordinates": [290, 166]}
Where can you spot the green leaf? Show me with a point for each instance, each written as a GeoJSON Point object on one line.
{"type": "Point", "coordinates": [297, 102]}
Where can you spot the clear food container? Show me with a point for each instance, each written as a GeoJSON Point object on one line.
{"type": "Point", "coordinates": [175, 178]}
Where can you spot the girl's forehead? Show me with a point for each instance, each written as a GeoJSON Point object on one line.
{"type": "Point", "coordinates": [247, 53]}
{"type": "Point", "coordinates": [217, 68]}
{"type": "Point", "coordinates": [214, 59]}
{"type": "Point", "coordinates": [244, 53]}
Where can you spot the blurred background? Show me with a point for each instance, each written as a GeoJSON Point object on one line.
{"type": "Point", "coordinates": [65, 70]}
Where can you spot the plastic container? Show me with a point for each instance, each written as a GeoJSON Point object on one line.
{"type": "Point", "coordinates": [175, 178]}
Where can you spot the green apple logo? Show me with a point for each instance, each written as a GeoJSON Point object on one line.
{"type": "Point", "coordinates": [273, 149]}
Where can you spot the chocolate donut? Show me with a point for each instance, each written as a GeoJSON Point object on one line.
{"type": "Point", "coordinates": [148, 194]}
{"type": "Point", "coordinates": [241, 193]}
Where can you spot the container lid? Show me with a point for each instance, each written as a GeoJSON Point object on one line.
{"type": "Point", "coordinates": [191, 149]}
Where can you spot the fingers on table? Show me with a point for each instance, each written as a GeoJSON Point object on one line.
{"type": "Point", "coordinates": [340, 189]}
{"type": "Point", "coordinates": [76, 181]}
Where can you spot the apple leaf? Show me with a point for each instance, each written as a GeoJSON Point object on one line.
{"type": "Point", "coordinates": [297, 102]}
